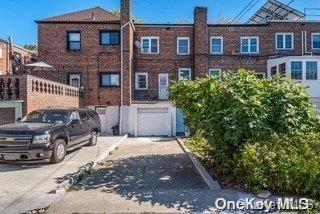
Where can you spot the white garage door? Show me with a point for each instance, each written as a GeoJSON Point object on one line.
{"type": "Point", "coordinates": [153, 122]}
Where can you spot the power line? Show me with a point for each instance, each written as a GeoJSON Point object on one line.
{"type": "Point", "coordinates": [245, 10]}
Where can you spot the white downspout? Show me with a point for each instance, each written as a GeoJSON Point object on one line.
{"type": "Point", "coordinates": [121, 74]}
{"type": "Point", "coordinates": [305, 44]}
{"type": "Point", "coordinates": [302, 43]}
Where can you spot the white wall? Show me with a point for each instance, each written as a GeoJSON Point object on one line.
{"type": "Point", "coordinates": [17, 105]}
{"type": "Point", "coordinates": [313, 85]}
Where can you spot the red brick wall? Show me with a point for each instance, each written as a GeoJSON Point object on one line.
{"type": "Point", "coordinates": [89, 62]}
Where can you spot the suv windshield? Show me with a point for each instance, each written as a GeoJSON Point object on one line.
{"type": "Point", "coordinates": [47, 116]}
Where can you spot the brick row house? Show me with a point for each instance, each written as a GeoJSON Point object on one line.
{"type": "Point", "coordinates": [124, 69]}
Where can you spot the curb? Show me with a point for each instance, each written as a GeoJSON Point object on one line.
{"type": "Point", "coordinates": [212, 184]}
{"type": "Point", "coordinates": [86, 169]}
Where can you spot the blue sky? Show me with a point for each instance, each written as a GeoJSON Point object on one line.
{"type": "Point", "coordinates": [17, 16]}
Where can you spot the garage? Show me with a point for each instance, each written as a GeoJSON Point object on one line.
{"type": "Point", "coordinates": [7, 115]}
{"type": "Point", "coordinates": [153, 122]}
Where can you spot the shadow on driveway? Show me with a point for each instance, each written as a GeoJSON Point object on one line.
{"type": "Point", "coordinates": [165, 180]}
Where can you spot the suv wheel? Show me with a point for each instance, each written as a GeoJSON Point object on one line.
{"type": "Point", "coordinates": [59, 151]}
{"type": "Point", "coordinates": [93, 139]}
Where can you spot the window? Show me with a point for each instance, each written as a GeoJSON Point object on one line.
{"type": "Point", "coordinates": [83, 116]}
{"type": "Point", "coordinates": [183, 45]}
{"type": "Point", "coordinates": [296, 70]}
{"type": "Point", "coordinates": [109, 79]}
{"type": "Point", "coordinates": [216, 46]}
{"type": "Point", "coordinates": [315, 41]}
{"type": "Point", "coordinates": [249, 45]}
{"type": "Point", "coordinates": [184, 74]}
{"type": "Point", "coordinates": [282, 69]}
{"type": "Point", "coordinates": [74, 41]}
{"type": "Point", "coordinates": [260, 75]}
{"type": "Point", "coordinates": [150, 45]}
{"type": "Point", "coordinates": [312, 70]}
{"type": "Point", "coordinates": [284, 41]}
{"type": "Point", "coordinates": [214, 72]}
{"type": "Point", "coordinates": [141, 81]}
{"type": "Point", "coordinates": [273, 71]}
{"type": "Point", "coordinates": [109, 38]}
{"type": "Point", "coordinates": [74, 79]}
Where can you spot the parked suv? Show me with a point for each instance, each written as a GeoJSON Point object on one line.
{"type": "Point", "coordinates": [48, 134]}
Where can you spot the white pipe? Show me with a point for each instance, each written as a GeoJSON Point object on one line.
{"type": "Point", "coordinates": [305, 43]}
{"type": "Point", "coordinates": [302, 43]}
{"type": "Point", "coordinates": [121, 74]}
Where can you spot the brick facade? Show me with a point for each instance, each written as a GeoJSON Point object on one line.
{"type": "Point", "coordinates": [95, 58]}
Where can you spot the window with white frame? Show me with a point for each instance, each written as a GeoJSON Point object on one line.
{"type": "Point", "coordinates": [250, 45]}
{"type": "Point", "coordinates": [273, 71]}
{"type": "Point", "coordinates": [184, 74]}
{"type": "Point", "coordinates": [282, 69]}
{"type": "Point", "coordinates": [260, 75]}
{"type": "Point", "coordinates": [150, 45]}
{"type": "Point", "coordinates": [311, 70]}
{"type": "Point", "coordinates": [214, 72]}
{"type": "Point", "coordinates": [296, 70]}
{"type": "Point", "coordinates": [216, 45]}
{"type": "Point", "coordinates": [141, 81]}
{"type": "Point", "coordinates": [315, 41]}
{"type": "Point", "coordinates": [284, 41]}
{"type": "Point", "coordinates": [74, 79]}
{"type": "Point", "coordinates": [183, 45]}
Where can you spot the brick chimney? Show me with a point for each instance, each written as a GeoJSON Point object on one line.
{"type": "Point", "coordinates": [201, 46]}
{"type": "Point", "coordinates": [125, 11]}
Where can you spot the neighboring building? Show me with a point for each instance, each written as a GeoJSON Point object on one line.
{"type": "Point", "coordinates": [12, 57]}
{"type": "Point", "coordinates": [85, 49]}
{"type": "Point", "coordinates": [21, 94]}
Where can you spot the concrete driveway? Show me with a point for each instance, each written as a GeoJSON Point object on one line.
{"type": "Point", "coordinates": [151, 175]}
{"type": "Point", "coordinates": [25, 186]}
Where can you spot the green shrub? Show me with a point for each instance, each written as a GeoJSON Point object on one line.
{"type": "Point", "coordinates": [251, 124]}
{"type": "Point", "coordinates": [283, 164]}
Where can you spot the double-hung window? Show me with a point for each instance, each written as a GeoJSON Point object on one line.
{"type": "Point", "coordinates": [74, 79]}
{"type": "Point", "coordinates": [315, 37]}
{"type": "Point", "coordinates": [141, 80]}
{"type": "Point", "coordinates": [214, 72]}
{"type": "Point", "coordinates": [250, 45]}
{"type": "Point", "coordinates": [183, 45]}
{"type": "Point", "coordinates": [296, 70]}
{"type": "Point", "coordinates": [74, 41]}
{"type": "Point", "coordinates": [109, 37]}
{"type": "Point", "coordinates": [109, 79]}
{"type": "Point", "coordinates": [216, 45]}
{"type": "Point", "coordinates": [311, 70]}
{"type": "Point", "coordinates": [284, 41]}
{"type": "Point", "coordinates": [184, 74]}
{"type": "Point", "coordinates": [150, 45]}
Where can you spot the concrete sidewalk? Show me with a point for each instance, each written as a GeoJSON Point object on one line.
{"type": "Point", "coordinates": [144, 175]}
{"type": "Point", "coordinates": [25, 186]}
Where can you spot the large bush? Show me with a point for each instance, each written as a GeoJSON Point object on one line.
{"type": "Point", "coordinates": [245, 119]}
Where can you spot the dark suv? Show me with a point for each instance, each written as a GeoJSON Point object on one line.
{"type": "Point", "coordinates": [48, 134]}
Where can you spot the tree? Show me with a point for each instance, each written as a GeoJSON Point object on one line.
{"type": "Point", "coordinates": [31, 47]}
{"type": "Point", "coordinates": [118, 13]}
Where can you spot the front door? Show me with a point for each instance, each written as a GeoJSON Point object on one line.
{"type": "Point", "coordinates": [163, 86]}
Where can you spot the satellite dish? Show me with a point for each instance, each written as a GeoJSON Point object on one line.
{"type": "Point", "coordinates": [138, 44]}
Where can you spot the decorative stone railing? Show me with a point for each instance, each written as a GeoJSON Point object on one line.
{"type": "Point", "coordinates": [36, 92]}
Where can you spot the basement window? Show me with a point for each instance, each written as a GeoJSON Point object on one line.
{"type": "Point", "coordinates": [150, 45]}
{"type": "Point", "coordinates": [214, 72]}
{"type": "Point", "coordinates": [284, 41]}
{"type": "Point", "coordinates": [74, 41]}
{"type": "Point", "coordinates": [109, 80]}
{"type": "Point", "coordinates": [109, 37]}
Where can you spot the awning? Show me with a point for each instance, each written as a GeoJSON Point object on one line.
{"type": "Point", "coordinates": [39, 66]}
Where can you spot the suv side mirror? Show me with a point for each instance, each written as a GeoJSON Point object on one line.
{"type": "Point", "coordinates": [75, 122]}
{"type": "Point", "coordinates": [18, 119]}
